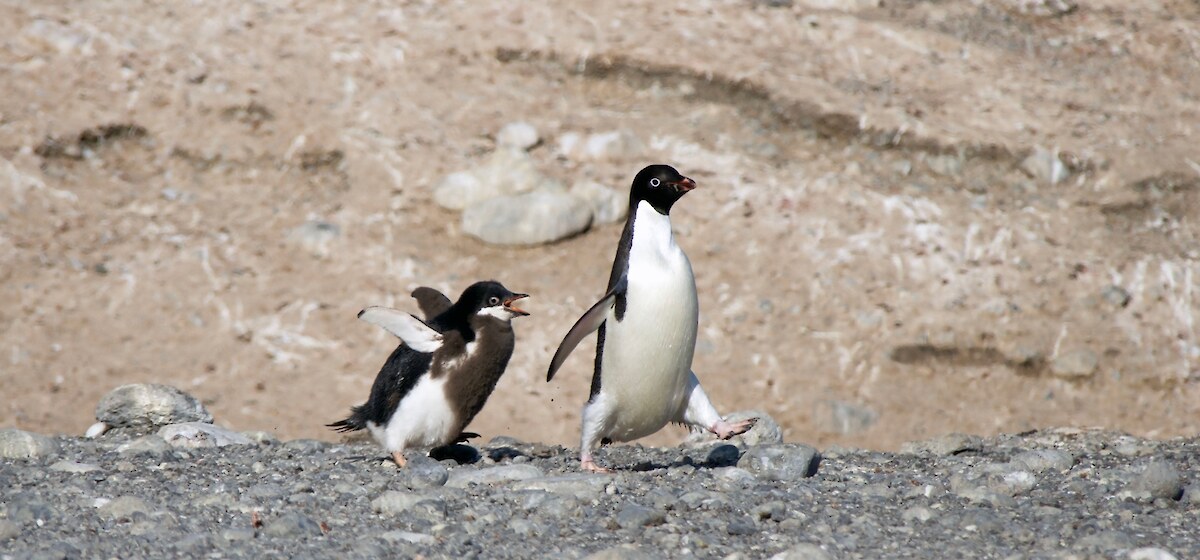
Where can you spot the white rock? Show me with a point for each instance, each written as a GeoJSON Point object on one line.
{"type": "Point", "coordinates": [538, 217]}
{"type": "Point", "coordinates": [611, 145]}
{"type": "Point", "coordinates": [200, 434]}
{"type": "Point", "coordinates": [1150, 553]}
{"type": "Point", "coordinates": [506, 171]}
{"type": "Point", "coordinates": [608, 205]}
{"type": "Point", "coordinates": [601, 146]}
{"type": "Point", "coordinates": [96, 430]}
{"type": "Point", "coordinates": [461, 189]}
{"type": "Point", "coordinates": [520, 135]}
{"type": "Point", "coordinates": [1045, 165]}
{"type": "Point", "coordinates": [74, 467]}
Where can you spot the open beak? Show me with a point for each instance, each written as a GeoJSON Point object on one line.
{"type": "Point", "coordinates": [508, 304]}
{"type": "Point", "coordinates": [683, 186]}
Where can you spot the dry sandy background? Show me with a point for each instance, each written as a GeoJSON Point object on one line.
{"type": "Point", "coordinates": [875, 264]}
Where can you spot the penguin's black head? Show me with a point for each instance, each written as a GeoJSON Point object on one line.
{"type": "Point", "coordinates": [491, 298]}
{"type": "Point", "coordinates": [661, 186]}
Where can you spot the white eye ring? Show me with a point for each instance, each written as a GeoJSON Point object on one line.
{"type": "Point", "coordinates": [654, 182]}
{"type": "Point", "coordinates": [494, 300]}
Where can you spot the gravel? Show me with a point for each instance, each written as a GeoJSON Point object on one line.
{"type": "Point", "coordinates": [1044, 494]}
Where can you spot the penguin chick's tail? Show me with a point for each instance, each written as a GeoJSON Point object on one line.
{"type": "Point", "coordinates": [354, 423]}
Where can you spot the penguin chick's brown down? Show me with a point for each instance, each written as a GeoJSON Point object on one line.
{"type": "Point", "coordinates": [647, 330]}
{"type": "Point", "coordinates": [441, 374]}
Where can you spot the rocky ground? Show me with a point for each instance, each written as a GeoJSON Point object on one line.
{"type": "Point", "coordinates": [1049, 494]}
{"type": "Point", "coordinates": [156, 479]}
{"type": "Point", "coordinates": [913, 217]}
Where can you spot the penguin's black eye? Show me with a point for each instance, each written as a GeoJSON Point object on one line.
{"type": "Point", "coordinates": [493, 300]}
{"type": "Point", "coordinates": [655, 182]}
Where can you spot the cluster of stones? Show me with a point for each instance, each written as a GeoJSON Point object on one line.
{"type": "Point", "coordinates": [506, 200]}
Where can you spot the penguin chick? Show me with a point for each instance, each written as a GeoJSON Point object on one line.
{"type": "Point", "coordinates": [647, 322]}
{"type": "Point", "coordinates": [441, 374]}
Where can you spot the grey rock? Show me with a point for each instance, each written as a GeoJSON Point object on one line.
{"type": "Point", "coordinates": [423, 472]}
{"type": "Point", "coordinates": [527, 219]}
{"type": "Point", "coordinates": [804, 551]}
{"type": "Point", "coordinates": [1191, 494]}
{"type": "Point", "coordinates": [1150, 553]}
{"type": "Point", "coordinates": [608, 205]}
{"type": "Point", "coordinates": [237, 534]}
{"type": "Point", "coordinates": [581, 485]}
{"type": "Point", "coordinates": [773, 511]}
{"type": "Point", "coordinates": [1075, 364]}
{"type": "Point", "coordinates": [395, 502]}
{"type": "Point", "coordinates": [151, 444]}
{"type": "Point", "coordinates": [633, 516]}
{"type": "Point", "coordinates": [461, 478]}
{"type": "Point", "coordinates": [919, 514]}
{"type": "Point", "coordinates": [193, 543]}
{"type": "Point", "coordinates": [1041, 460]}
{"type": "Point", "coordinates": [1159, 479]}
{"type": "Point", "coordinates": [519, 135]}
{"type": "Point", "coordinates": [19, 444]}
{"type": "Point", "coordinates": [74, 467]}
{"type": "Point", "coordinates": [943, 446]}
{"type": "Point", "coordinates": [291, 525]}
{"type": "Point", "coordinates": [124, 507]}
{"type": "Point", "coordinates": [1116, 296]}
{"type": "Point", "coordinates": [781, 462]}
{"type": "Point", "coordinates": [265, 490]}
{"type": "Point", "coordinates": [8, 530]}
{"type": "Point", "coordinates": [145, 405]}
{"type": "Point", "coordinates": [315, 237]}
{"type": "Point", "coordinates": [741, 526]}
{"type": "Point", "coordinates": [622, 552]}
{"type": "Point", "coordinates": [26, 510]}
{"type": "Point", "coordinates": [409, 537]}
{"type": "Point", "coordinates": [194, 435]}
{"type": "Point", "coordinates": [766, 431]}
{"type": "Point", "coordinates": [842, 417]}
{"type": "Point", "coordinates": [1105, 540]}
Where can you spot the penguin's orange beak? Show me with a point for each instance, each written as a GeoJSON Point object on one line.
{"type": "Point", "coordinates": [683, 186]}
{"type": "Point", "coordinates": [508, 304]}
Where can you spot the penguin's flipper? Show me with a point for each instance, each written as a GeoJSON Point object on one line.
{"type": "Point", "coordinates": [431, 302]}
{"type": "Point", "coordinates": [416, 334]}
{"type": "Point", "coordinates": [585, 326]}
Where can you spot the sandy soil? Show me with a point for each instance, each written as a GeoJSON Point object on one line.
{"type": "Point", "coordinates": [882, 249]}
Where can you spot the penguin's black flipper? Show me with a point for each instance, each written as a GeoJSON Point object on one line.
{"type": "Point", "coordinates": [431, 302]}
{"type": "Point", "coordinates": [586, 325]}
{"type": "Point", "coordinates": [415, 333]}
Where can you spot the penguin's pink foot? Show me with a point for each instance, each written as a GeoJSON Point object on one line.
{"type": "Point", "coordinates": [398, 458]}
{"type": "Point", "coordinates": [726, 430]}
{"type": "Point", "coordinates": [591, 466]}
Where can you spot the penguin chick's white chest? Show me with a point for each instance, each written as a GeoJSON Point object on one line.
{"type": "Point", "coordinates": [424, 418]}
{"type": "Point", "coordinates": [648, 353]}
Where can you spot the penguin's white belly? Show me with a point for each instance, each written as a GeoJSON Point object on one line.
{"type": "Point", "coordinates": [422, 419]}
{"type": "Point", "coordinates": [648, 354]}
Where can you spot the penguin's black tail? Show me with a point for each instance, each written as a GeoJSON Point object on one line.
{"type": "Point", "coordinates": [354, 423]}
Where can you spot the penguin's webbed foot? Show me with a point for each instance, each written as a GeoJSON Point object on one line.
{"type": "Point", "coordinates": [590, 466]}
{"type": "Point", "coordinates": [726, 430]}
{"type": "Point", "coordinates": [398, 458]}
